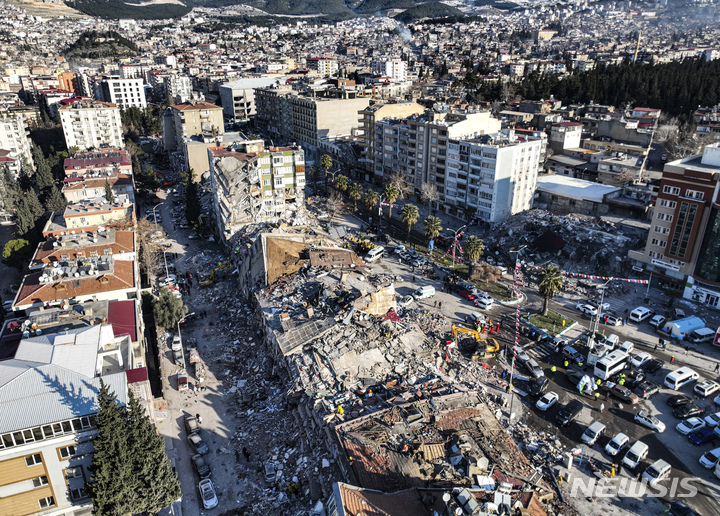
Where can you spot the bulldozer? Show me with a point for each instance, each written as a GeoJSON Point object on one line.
{"type": "Point", "coordinates": [485, 347]}
{"type": "Point", "coordinates": [214, 274]}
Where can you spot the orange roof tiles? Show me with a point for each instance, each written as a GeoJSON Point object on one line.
{"type": "Point", "coordinates": [46, 253]}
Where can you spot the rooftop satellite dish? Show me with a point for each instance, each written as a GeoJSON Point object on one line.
{"type": "Point", "coordinates": [66, 306]}
{"type": "Point", "coordinates": [446, 497]}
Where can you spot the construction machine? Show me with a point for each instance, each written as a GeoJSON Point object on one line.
{"type": "Point", "coordinates": [214, 274]}
{"type": "Point", "coordinates": [485, 347]}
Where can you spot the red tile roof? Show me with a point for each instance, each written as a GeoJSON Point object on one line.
{"type": "Point", "coordinates": [121, 314]}
{"type": "Point", "coordinates": [136, 375]}
{"type": "Point", "coordinates": [363, 502]}
{"type": "Point", "coordinates": [195, 107]}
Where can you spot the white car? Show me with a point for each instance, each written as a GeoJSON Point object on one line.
{"type": "Point", "coordinates": [207, 493]}
{"type": "Point", "coordinates": [405, 301]}
{"type": "Point", "coordinates": [649, 421]}
{"type": "Point", "coordinates": [710, 459]}
{"type": "Point", "coordinates": [547, 401]}
{"type": "Point", "coordinates": [586, 309]}
{"type": "Point", "coordinates": [640, 359]}
{"type": "Point", "coordinates": [400, 249]}
{"type": "Point", "coordinates": [706, 388]}
{"type": "Point", "coordinates": [522, 356]}
{"type": "Point", "coordinates": [617, 444]}
{"type": "Point", "coordinates": [690, 425]}
{"type": "Point", "coordinates": [712, 420]}
{"type": "Point", "coordinates": [627, 347]}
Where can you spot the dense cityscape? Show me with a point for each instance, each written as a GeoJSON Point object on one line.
{"type": "Point", "coordinates": [360, 258]}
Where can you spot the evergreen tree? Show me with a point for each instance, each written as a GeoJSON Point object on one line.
{"type": "Point", "coordinates": [28, 213]}
{"type": "Point", "coordinates": [113, 485]}
{"type": "Point", "coordinates": [109, 196]}
{"type": "Point", "coordinates": [193, 208]}
{"type": "Point", "coordinates": [55, 200]}
{"type": "Point", "coordinates": [43, 170]}
{"type": "Point", "coordinates": [157, 484]}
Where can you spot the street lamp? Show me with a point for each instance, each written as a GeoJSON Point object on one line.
{"type": "Point", "coordinates": [155, 208]}
{"type": "Point", "coordinates": [455, 241]}
{"type": "Point", "coordinates": [516, 288]}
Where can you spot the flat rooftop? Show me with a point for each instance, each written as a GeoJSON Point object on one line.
{"type": "Point", "coordinates": [573, 188]}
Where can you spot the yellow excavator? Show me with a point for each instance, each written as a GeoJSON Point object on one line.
{"type": "Point", "coordinates": [486, 347]}
{"type": "Point", "coordinates": [214, 274]}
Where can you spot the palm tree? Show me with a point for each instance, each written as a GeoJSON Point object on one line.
{"type": "Point", "coordinates": [341, 183]}
{"type": "Point", "coordinates": [391, 193]}
{"type": "Point", "coordinates": [371, 199]}
{"type": "Point", "coordinates": [551, 280]}
{"type": "Point", "coordinates": [326, 163]}
{"type": "Point", "coordinates": [355, 193]}
{"type": "Point", "coordinates": [432, 226]}
{"type": "Point", "coordinates": [474, 248]}
{"type": "Point", "coordinates": [410, 216]}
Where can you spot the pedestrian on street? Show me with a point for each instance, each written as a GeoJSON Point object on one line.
{"type": "Point", "coordinates": [717, 367]}
{"type": "Point", "coordinates": [687, 349]}
{"type": "Point", "coordinates": [672, 359]}
{"type": "Point", "coordinates": [440, 305]}
{"type": "Point", "coordinates": [197, 416]}
{"type": "Point", "coordinates": [655, 348]}
{"type": "Point", "coordinates": [435, 305]}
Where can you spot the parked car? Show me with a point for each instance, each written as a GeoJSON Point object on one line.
{"type": "Point", "coordinates": [634, 377]}
{"type": "Point", "coordinates": [679, 399]}
{"type": "Point", "coordinates": [657, 321]}
{"type": "Point", "coordinates": [706, 388]}
{"type": "Point", "coordinates": [197, 444]}
{"type": "Point", "coordinates": [649, 421]}
{"type": "Point", "coordinates": [646, 389]}
{"type": "Point", "coordinates": [569, 413]}
{"type": "Point", "coordinates": [586, 309]}
{"type": "Point", "coordinates": [539, 385]}
{"type": "Point", "coordinates": [710, 458]}
{"type": "Point", "coordinates": [623, 393]}
{"type": "Point", "coordinates": [467, 295]}
{"type": "Point", "coordinates": [703, 436]}
{"type": "Point", "coordinates": [613, 320]}
{"type": "Point", "coordinates": [270, 471]}
{"type": "Point", "coordinates": [522, 356]}
{"type": "Point", "coordinates": [574, 376]}
{"type": "Point", "coordinates": [207, 493]}
{"type": "Point", "coordinates": [640, 359]}
{"type": "Point", "coordinates": [713, 420]}
{"type": "Point", "coordinates": [405, 301]}
{"type": "Point", "coordinates": [548, 400]}
{"type": "Point", "coordinates": [654, 365]}
{"type": "Point", "coordinates": [687, 410]}
{"type": "Point", "coordinates": [191, 425]}
{"type": "Point", "coordinates": [617, 444]}
{"type": "Point", "coordinates": [690, 425]}
{"type": "Point", "coordinates": [656, 472]}
{"type": "Point", "coordinates": [201, 467]}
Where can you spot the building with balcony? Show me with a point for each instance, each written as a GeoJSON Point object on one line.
{"type": "Point", "coordinates": [238, 97]}
{"type": "Point", "coordinates": [91, 124]}
{"type": "Point", "coordinates": [124, 93]}
{"type": "Point", "coordinates": [274, 112]}
{"type": "Point", "coordinates": [684, 240]}
{"type": "Point", "coordinates": [565, 135]}
{"type": "Point", "coordinates": [253, 184]}
{"type": "Point", "coordinates": [15, 142]}
{"type": "Point", "coordinates": [190, 119]}
{"type": "Point", "coordinates": [395, 69]}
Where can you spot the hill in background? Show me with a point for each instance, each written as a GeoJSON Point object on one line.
{"type": "Point", "coordinates": [93, 45]}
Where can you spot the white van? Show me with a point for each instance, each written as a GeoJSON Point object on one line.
{"type": "Point", "coordinates": [374, 254]}
{"type": "Point", "coordinates": [627, 347]}
{"type": "Point", "coordinates": [635, 455]}
{"type": "Point", "coordinates": [484, 303]}
{"type": "Point", "coordinates": [640, 314]}
{"type": "Point", "coordinates": [423, 292]}
{"type": "Point", "coordinates": [612, 340]}
{"type": "Point", "coordinates": [701, 335]}
{"type": "Point", "coordinates": [657, 472]}
{"type": "Point", "coordinates": [593, 433]}
{"type": "Point", "coordinates": [680, 377]}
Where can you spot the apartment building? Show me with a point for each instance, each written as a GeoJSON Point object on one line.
{"type": "Point", "coordinates": [273, 112]}
{"type": "Point", "coordinates": [97, 163]}
{"type": "Point", "coordinates": [395, 68]}
{"type": "Point", "coordinates": [684, 241]}
{"type": "Point", "coordinates": [91, 124]}
{"type": "Point", "coordinates": [417, 146]}
{"type": "Point", "coordinates": [190, 119]}
{"type": "Point", "coordinates": [374, 113]}
{"type": "Point", "coordinates": [324, 67]}
{"type": "Point", "coordinates": [495, 174]}
{"type": "Point", "coordinates": [177, 88]}
{"type": "Point", "coordinates": [238, 97]}
{"type": "Point", "coordinates": [124, 93]}
{"type": "Point", "coordinates": [565, 135]}
{"type": "Point", "coordinates": [15, 141]}
{"type": "Point", "coordinates": [253, 184]}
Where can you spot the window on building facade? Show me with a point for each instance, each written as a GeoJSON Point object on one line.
{"type": "Point", "coordinates": [683, 229]}
{"type": "Point", "coordinates": [40, 481]}
{"type": "Point", "coordinates": [33, 460]}
{"type": "Point", "coordinates": [672, 190]}
{"type": "Point", "coordinates": [47, 502]}
{"type": "Point", "coordinates": [668, 204]}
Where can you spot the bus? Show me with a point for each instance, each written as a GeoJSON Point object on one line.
{"type": "Point", "coordinates": [611, 364]}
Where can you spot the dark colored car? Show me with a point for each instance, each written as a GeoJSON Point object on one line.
{"type": "Point", "coordinates": [702, 436]}
{"type": "Point", "coordinates": [687, 410]}
{"type": "Point", "coordinates": [680, 508]}
{"type": "Point", "coordinates": [197, 443]}
{"type": "Point", "coordinates": [679, 399]}
{"type": "Point", "coordinates": [574, 376]}
{"type": "Point", "coordinates": [634, 378]}
{"type": "Point", "coordinates": [569, 413]}
{"type": "Point", "coordinates": [539, 386]}
{"type": "Point", "coordinates": [456, 287]}
{"type": "Point", "coordinates": [201, 467]}
{"type": "Point", "coordinates": [653, 366]}
{"type": "Point", "coordinates": [647, 389]}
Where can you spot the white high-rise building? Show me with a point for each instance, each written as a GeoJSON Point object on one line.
{"type": "Point", "coordinates": [14, 141]}
{"type": "Point", "coordinates": [91, 124]}
{"type": "Point", "coordinates": [395, 68]}
{"type": "Point", "coordinates": [123, 92]}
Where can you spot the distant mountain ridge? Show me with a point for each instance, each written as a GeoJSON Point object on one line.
{"type": "Point", "coordinates": [116, 9]}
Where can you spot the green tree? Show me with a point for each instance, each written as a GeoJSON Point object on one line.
{"type": "Point", "coordinates": [157, 484]}
{"type": "Point", "coordinates": [326, 163]}
{"type": "Point", "coordinates": [43, 170]}
{"type": "Point", "coordinates": [17, 252]}
{"type": "Point", "coordinates": [410, 216]}
{"type": "Point", "coordinates": [474, 248]}
{"type": "Point", "coordinates": [551, 280]}
{"type": "Point", "coordinates": [113, 486]}
{"type": "Point", "coordinates": [168, 310]}
{"type": "Point", "coordinates": [109, 195]}
{"type": "Point", "coordinates": [55, 201]}
{"type": "Point", "coordinates": [355, 193]}
{"type": "Point", "coordinates": [29, 211]}
{"type": "Point", "coordinates": [341, 183]}
{"type": "Point", "coordinates": [193, 208]}
{"type": "Point", "coordinates": [371, 199]}
{"type": "Point", "coordinates": [390, 193]}
{"type": "Point", "coordinates": [432, 226]}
